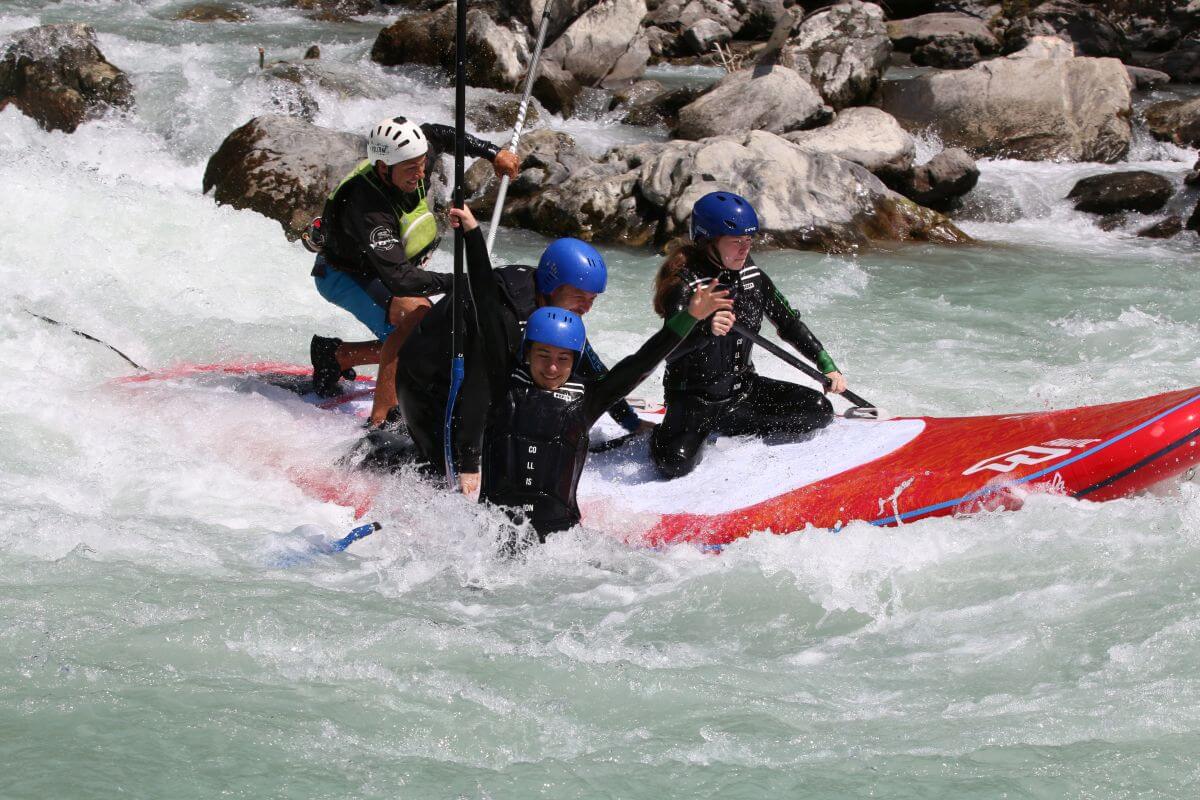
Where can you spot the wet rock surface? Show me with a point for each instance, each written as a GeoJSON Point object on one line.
{"type": "Point", "coordinates": [57, 75]}
{"type": "Point", "coordinates": [1136, 190]}
{"type": "Point", "coordinates": [1175, 121]}
{"type": "Point", "coordinates": [842, 51]}
{"type": "Point", "coordinates": [767, 98]}
{"type": "Point", "coordinates": [281, 167]}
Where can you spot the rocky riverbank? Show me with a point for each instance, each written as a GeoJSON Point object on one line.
{"type": "Point", "coordinates": [815, 116]}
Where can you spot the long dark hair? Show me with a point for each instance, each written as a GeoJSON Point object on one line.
{"type": "Point", "coordinates": [680, 253]}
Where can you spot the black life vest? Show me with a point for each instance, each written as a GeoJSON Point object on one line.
{"type": "Point", "coordinates": [717, 368]}
{"type": "Point", "coordinates": [535, 448]}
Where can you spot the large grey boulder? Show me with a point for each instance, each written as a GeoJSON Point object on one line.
{"type": "Point", "coordinates": [1136, 190]}
{"type": "Point", "coordinates": [281, 167]}
{"type": "Point", "coordinates": [498, 55]}
{"type": "Point", "coordinates": [642, 193]}
{"type": "Point", "coordinates": [765, 98]}
{"type": "Point", "coordinates": [556, 89]}
{"type": "Point", "coordinates": [57, 75]}
{"type": "Point", "coordinates": [944, 40]}
{"type": "Point", "coordinates": [867, 136]}
{"type": "Point", "coordinates": [843, 51]}
{"type": "Point", "coordinates": [605, 46]}
{"type": "Point", "coordinates": [940, 182]}
{"type": "Point", "coordinates": [1175, 121]}
{"type": "Point", "coordinates": [1037, 109]}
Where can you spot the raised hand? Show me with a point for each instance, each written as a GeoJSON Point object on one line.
{"type": "Point", "coordinates": [707, 300]}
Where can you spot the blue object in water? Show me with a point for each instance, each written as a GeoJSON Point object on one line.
{"type": "Point", "coordinates": [320, 547]}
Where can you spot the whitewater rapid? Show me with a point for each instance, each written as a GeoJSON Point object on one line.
{"type": "Point", "coordinates": [148, 649]}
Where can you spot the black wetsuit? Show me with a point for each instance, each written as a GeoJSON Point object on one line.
{"type": "Point", "coordinates": [711, 385]}
{"type": "Point", "coordinates": [536, 440]}
{"type": "Point", "coordinates": [362, 233]}
{"type": "Point", "coordinates": [423, 374]}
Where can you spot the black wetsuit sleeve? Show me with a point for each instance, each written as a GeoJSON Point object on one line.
{"type": "Point", "coordinates": [474, 401]}
{"type": "Point", "coordinates": [382, 249]}
{"type": "Point", "coordinates": [632, 370]}
{"type": "Point", "coordinates": [489, 310]}
{"type": "Point", "coordinates": [592, 368]}
{"type": "Point", "coordinates": [441, 140]}
{"type": "Point", "coordinates": [791, 328]}
{"type": "Point", "coordinates": [677, 301]}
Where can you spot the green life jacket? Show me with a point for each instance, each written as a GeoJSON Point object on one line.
{"type": "Point", "coordinates": [418, 227]}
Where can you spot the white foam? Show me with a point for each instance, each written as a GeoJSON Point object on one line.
{"type": "Point", "coordinates": [743, 471]}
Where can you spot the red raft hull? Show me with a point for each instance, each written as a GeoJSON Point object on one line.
{"type": "Point", "coordinates": [960, 465]}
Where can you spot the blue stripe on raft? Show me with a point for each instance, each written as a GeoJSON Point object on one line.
{"type": "Point", "coordinates": [989, 490]}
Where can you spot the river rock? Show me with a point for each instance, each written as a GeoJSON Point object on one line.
{"type": "Point", "coordinates": [689, 27]}
{"type": "Point", "coordinates": [548, 158]}
{"type": "Point", "coordinates": [766, 98]}
{"type": "Point", "coordinates": [500, 114]}
{"type": "Point", "coordinates": [1182, 63]}
{"type": "Point", "coordinates": [642, 193]}
{"type": "Point", "coordinates": [1052, 47]}
{"type": "Point", "coordinates": [281, 167]}
{"type": "Point", "coordinates": [1145, 79]}
{"type": "Point", "coordinates": [1163, 229]}
{"type": "Point", "coordinates": [1136, 190]}
{"type": "Point", "coordinates": [700, 37]}
{"type": "Point", "coordinates": [866, 136]}
{"type": "Point", "coordinates": [556, 89]}
{"type": "Point", "coordinates": [663, 108]}
{"type": "Point", "coordinates": [211, 12]}
{"type": "Point", "coordinates": [335, 10]}
{"type": "Point", "coordinates": [1075, 109]}
{"type": "Point", "coordinates": [1175, 121]}
{"type": "Point", "coordinates": [497, 57]}
{"type": "Point", "coordinates": [57, 75]}
{"type": "Point", "coordinates": [843, 51]}
{"type": "Point", "coordinates": [1193, 222]}
{"type": "Point", "coordinates": [605, 46]}
{"type": "Point", "coordinates": [944, 40]}
{"type": "Point", "coordinates": [1087, 27]}
{"type": "Point", "coordinates": [940, 182]}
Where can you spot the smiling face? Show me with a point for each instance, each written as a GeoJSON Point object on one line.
{"type": "Point", "coordinates": [733, 250]}
{"type": "Point", "coordinates": [405, 176]}
{"type": "Point", "coordinates": [572, 299]}
{"type": "Point", "coordinates": [550, 366]}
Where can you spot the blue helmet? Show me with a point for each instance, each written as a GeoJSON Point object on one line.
{"type": "Point", "coordinates": [557, 327]}
{"type": "Point", "coordinates": [574, 263]}
{"type": "Point", "coordinates": [723, 214]}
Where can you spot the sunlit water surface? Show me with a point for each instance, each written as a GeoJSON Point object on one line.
{"type": "Point", "coordinates": [149, 649]}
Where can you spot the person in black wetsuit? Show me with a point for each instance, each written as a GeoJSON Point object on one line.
{"type": "Point", "coordinates": [570, 274]}
{"type": "Point", "coordinates": [539, 418]}
{"type": "Point", "coordinates": [711, 385]}
{"type": "Point", "coordinates": [375, 233]}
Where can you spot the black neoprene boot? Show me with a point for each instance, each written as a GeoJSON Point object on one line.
{"type": "Point", "coordinates": [327, 373]}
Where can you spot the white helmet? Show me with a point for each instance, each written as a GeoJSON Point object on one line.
{"type": "Point", "coordinates": [394, 140]}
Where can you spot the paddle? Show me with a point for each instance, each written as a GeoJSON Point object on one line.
{"type": "Point", "coordinates": [791, 360]}
{"type": "Point", "coordinates": [319, 547]}
{"type": "Point", "coordinates": [457, 369]}
{"type": "Point", "coordinates": [89, 337]}
{"type": "Point", "coordinates": [517, 128]}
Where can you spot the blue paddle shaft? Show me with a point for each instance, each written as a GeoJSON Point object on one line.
{"type": "Point", "coordinates": [361, 532]}
{"type": "Point", "coordinates": [457, 373]}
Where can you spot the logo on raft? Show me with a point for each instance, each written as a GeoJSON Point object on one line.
{"type": "Point", "coordinates": [1029, 455]}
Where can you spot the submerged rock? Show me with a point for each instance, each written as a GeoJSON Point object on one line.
{"type": "Point", "coordinates": [211, 12]}
{"type": "Point", "coordinates": [1038, 109]}
{"type": "Point", "coordinates": [57, 75]}
{"type": "Point", "coordinates": [1175, 121]}
{"type": "Point", "coordinates": [1163, 229]}
{"type": "Point", "coordinates": [944, 40]}
{"type": "Point", "coordinates": [1137, 190]}
{"type": "Point", "coordinates": [644, 193]}
{"type": "Point", "coordinates": [765, 98]}
{"type": "Point", "coordinates": [281, 167]}
{"type": "Point", "coordinates": [843, 51]}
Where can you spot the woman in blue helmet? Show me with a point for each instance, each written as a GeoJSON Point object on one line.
{"type": "Point", "coordinates": [540, 416]}
{"type": "Point", "coordinates": [570, 274]}
{"type": "Point", "coordinates": [710, 384]}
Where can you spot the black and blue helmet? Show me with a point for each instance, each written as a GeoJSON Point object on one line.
{"type": "Point", "coordinates": [557, 327]}
{"type": "Point", "coordinates": [723, 214]}
{"type": "Point", "coordinates": [571, 262]}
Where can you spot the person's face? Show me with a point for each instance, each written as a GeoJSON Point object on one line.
{"type": "Point", "coordinates": [573, 299]}
{"type": "Point", "coordinates": [407, 175]}
{"type": "Point", "coordinates": [733, 250]}
{"type": "Point", "coordinates": [550, 366]}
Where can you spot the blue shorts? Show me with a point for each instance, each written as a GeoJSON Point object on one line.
{"type": "Point", "coordinates": [344, 292]}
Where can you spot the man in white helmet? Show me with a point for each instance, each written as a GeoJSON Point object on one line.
{"type": "Point", "coordinates": [375, 234]}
